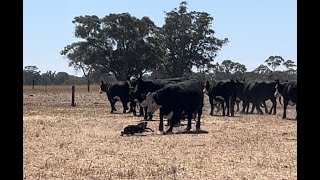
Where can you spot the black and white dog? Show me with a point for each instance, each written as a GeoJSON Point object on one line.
{"type": "Point", "coordinates": [139, 128]}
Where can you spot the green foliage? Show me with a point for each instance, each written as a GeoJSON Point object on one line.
{"type": "Point", "coordinates": [74, 80]}
{"type": "Point", "coordinates": [119, 43]}
{"type": "Point", "coordinates": [274, 62]}
{"type": "Point", "coordinates": [262, 69]}
{"type": "Point", "coordinates": [60, 78]}
{"type": "Point", "coordinates": [31, 73]}
{"type": "Point", "coordinates": [188, 40]}
{"type": "Point", "coordinates": [290, 67]}
{"type": "Point", "coordinates": [47, 78]}
{"type": "Point", "coordinates": [228, 70]}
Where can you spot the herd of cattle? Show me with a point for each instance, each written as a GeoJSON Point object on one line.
{"type": "Point", "coordinates": [180, 97]}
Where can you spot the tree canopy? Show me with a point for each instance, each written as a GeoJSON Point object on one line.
{"type": "Point", "coordinates": [121, 45]}
{"type": "Point", "coordinates": [124, 45]}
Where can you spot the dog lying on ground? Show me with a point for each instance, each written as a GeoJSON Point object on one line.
{"type": "Point", "coordinates": [132, 129]}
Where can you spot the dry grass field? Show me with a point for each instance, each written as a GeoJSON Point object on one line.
{"type": "Point", "coordinates": [84, 142]}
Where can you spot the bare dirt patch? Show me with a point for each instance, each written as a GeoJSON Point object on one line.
{"type": "Point", "coordinates": [84, 142]}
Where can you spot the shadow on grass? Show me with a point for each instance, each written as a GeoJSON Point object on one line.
{"type": "Point", "coordinates": [172, 133]}
{"type": "Point", "coordinates": [187, 132]}
{"type": "Point", "coordinates": [137, 134]}
{"type": "Point", "coordinates": [220, 115]}
{"type": "Point", "coordinates": [291, 119]}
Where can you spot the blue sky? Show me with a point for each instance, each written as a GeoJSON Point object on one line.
{"type": "Point", "coordinates": [256, 29]}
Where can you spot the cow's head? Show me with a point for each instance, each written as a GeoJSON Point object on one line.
{"type": "Point", "coordinates": [103, 87]}
{"type": "Point", "coordinates": [151, 102]}
{"type": "Point", "coordinates": [276, 93]}
{"type": "Point", "coordinates": [134, 81]}
{"type": "Point", "coordinates": [279, 88]}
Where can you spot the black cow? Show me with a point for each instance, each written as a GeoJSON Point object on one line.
{"type": "Point", "coordinates": [225, 91]}
{"type": "Point", "coordinates": [288, 91]}
{"type": "Point", "coordinates": [182, 97]}
{"type": "Point", "coordinates": [117, 91]}
{"type": "Point", "coordinates": [139, 89]}
{"type": "Point", "coordinates": [257, 92]}
{"type": "Point", "coordinates": [241, 96]}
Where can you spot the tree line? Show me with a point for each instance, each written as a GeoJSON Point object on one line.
{"type": "Point", "coordinates": [227, 69]}
{"type": "Point", "coordinates": [31, 74]}
{"type": "Point", "coordinates": [118, 46]}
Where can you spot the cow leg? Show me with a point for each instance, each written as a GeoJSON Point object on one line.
{"type": "Point", "coordinates": [199, 117]}
{"type": "Point", "coordinates": [161, 120]}
{"type": "Point", "coordinates": [168, 122]}
{"type": "Point", "coordinates": [189, 121]}
{"type": "Point", "coordinates": [265, 107]}
{"type": "Point", "coordinates": [232, 108]}
{"type": "Point", "coordinates": [140, 111]}
{"type": "Point", "coordinates": [231, 105]}
{"type": "Point", "coordinates": [228, 107]}
{"type": "Point", "coordinates": [145, 113]}
{"type": "Point", "coordinates": [257, 105]}
{"type": "Point", "coordinates": [244, 104]}
{"type": "Point", "coordinates": [175, 118]}
{"type": "Point", "coordinates": [274, 106]}
{"type": "Point", "coordinates": [285, 104]}
{"type": "Point", "coordinates": [133, 107]}
{"type": "Point", "coordinates": [247, 106]}
{"type": "Point", "coordinates": [124, 105]}
{"type": "Point", "coordinates": [211, 105]}
{"type": "Point", "coordinates": [223, 109]}
{"type": "Point", "coordinates": [112, 103]}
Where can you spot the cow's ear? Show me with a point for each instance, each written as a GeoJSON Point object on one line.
{"type": "Point", "coordinates": [101, 82]}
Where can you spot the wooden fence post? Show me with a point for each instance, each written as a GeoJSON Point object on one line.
{"type": "Point", "coordinates": [32, 84]}
{"type": "Point", "coordinates": [72, 97]}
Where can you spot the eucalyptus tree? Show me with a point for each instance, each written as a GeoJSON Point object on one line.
{"type": "Point", "coordinates": [187, 40]}
{"type": "Point", "coordinates": [118, 43]}
{"type": "Point", "coordinates": [290, 70]}
{"type": "Point", "coordinates": [274, 61]}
